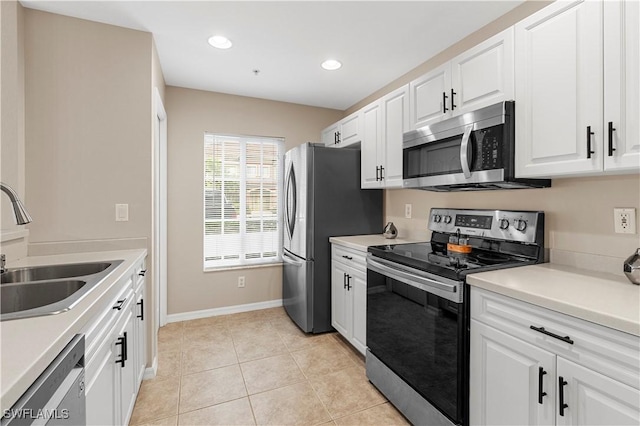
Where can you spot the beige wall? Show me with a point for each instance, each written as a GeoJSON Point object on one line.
{"type": "Point", "coordinates": [12, 159]}
{"type": "Point", "coordinates": [89, 129]}
{"type": "Point", "coordinates": [88, 102]}
{"type": "Point", "coordinates": [191, 113]}
{"type": "Point", "coordinates": [578, 211]}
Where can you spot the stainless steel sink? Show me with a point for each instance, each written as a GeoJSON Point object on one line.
{"type": "Point", "coordinates": [50, 289]}
{"type": "Point", "coordinates": [30, 295]}
{"type": "Point", "coordinates": [52, 272]}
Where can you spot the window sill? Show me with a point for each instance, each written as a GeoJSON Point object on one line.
{"type": "Point", "coordinates": [233, 268]}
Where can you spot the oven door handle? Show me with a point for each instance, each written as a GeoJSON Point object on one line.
{"type": "Point", "coordinates": [412, 279]}
{"type": "Point", "coordinates": [464, 151]}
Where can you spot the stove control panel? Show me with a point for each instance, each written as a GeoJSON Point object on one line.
{"type": "Point", "coordinates": [521, 226]}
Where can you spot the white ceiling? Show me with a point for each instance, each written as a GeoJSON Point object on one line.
{"type": "Point", "coordinates": [377, 41]}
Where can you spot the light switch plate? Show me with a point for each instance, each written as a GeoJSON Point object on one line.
{"type": "Point", "coordinates": [122, 212]}
{"type": "Point", "coordinates": [624, 220]}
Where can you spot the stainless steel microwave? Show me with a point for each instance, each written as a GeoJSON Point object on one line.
{"type": "Point", "coordinates": [473, 151]}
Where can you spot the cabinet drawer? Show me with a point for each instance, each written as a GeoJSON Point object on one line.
{"type": "Point", "coordinates": [608, 351]}
{"type": "Point", "coordinates": [96, 331]}
{"type": "Point", "coordinates": [352, 258]}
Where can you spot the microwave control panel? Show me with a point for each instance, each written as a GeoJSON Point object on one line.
{"type": "Point", "coordinates": [488, 148]}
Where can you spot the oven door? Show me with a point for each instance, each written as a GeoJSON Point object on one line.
{"type": "Point", "coordinates": [417, 327]}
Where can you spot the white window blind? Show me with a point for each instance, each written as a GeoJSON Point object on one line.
{"type": "Point", "coordinates": [242, 187]}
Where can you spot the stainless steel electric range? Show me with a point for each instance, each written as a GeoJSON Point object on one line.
{"type": "Point", "coordinates": [418, 310]}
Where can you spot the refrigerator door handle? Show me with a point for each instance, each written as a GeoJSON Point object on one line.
{"type": "Point", "coordinates": [286, 258]}
{"type": "Point", "coordinates": [291, 210]}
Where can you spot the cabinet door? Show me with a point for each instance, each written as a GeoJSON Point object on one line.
{"type": "Point", "coordinates": [504, 382]}
{"type": "Point", "coordinates": [349, 130]}
{"type": "Point", "coordinates": [101, 389]}
{"type": "Point", "coordinates": [622, 85]}
{"type": "Point", "coordinates": [127, 372]}
{"type": "Point", "coordinates": [559, 90]}
{"type": "Point", "coordinates": [339, 299]}
{"type": "Point", "coordinates": [330, 135]}
{"type": "Point", "coordinates": [395, 122]}
{"type": "Point", "coordinates": [358, 295]}
{"type": "Point", "coordinates": [140, 317]}
{"type": "Point", "coordinates": [483, 75]}
{"type": "Point", "coordinates": [430, 97]}
{"type": "Point", "coordinates": [594, 399]}
{"type": "Point", "coordinates": [371, 139]}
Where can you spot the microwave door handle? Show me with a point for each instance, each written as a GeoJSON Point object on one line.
{"type": "Point", "coordinates": [464, 149]}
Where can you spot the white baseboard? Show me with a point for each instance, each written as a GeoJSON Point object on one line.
{"type": "Point", "coordinates": [150, 372]}
{"type": "Point", "coordinates": [186, 316]}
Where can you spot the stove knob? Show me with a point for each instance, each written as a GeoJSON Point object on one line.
{"type": "Point", "coordinates": [521, 225]}
{"type": "Point", "coordinates": [447, 219]}
{"type": "Point", "coordinates": [504, 223]}
{"type": "Point", "coordinates": [437, 218]}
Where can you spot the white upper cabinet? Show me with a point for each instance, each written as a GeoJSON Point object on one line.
{"type": "Point", "coordinates": [384, 123]}
{"type": "Point", "coordinates": [395, 121]}
{"type": "Point", "coordinates": [622, 85]}
{"type": "Point", "coordinates": [481, 76]}
{"type": "Point", "coordinates": [571, 84]}
{"type": "Point", "coordinates": [345, 132]}
{"type": "Point", "coordinates": [429, 96]}
{"type": "Point", "coordinates": [330, 135]}
{"type": "Point", "coordinates": [371, 144]}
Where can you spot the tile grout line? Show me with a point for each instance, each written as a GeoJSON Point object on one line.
{"type": "Point", "coordinates": [253, 414]}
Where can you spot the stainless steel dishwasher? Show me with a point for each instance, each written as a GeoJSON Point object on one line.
{"type": "Point", "coordinates": [57, 396]}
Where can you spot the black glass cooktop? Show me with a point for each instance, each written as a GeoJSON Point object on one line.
{"type": "Point", "coordinates": [433, 258]}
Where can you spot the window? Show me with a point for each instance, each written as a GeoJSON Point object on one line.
{"type": "Point", "coordinates": [242, 182]}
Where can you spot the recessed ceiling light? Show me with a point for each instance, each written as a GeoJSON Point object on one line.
{"type": "Point", "coordinates": [331, 64]}
{"type": "Point", "coordinates": [220, 42]}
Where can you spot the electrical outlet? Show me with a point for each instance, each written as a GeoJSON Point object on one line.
{"type": "Point", "coordinates": [625, 220]}
{"type": "Point", "coordinates": [407, 211]}
{"type": "Point", "coordinates": [240, 282]}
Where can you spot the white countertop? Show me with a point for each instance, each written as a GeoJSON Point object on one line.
{"type": "Point", "coordinates": [28, 345]}
{"type": "Point", "coordinates": [361, 242]}
{"type": "Point", "coordinates": [604, 299]}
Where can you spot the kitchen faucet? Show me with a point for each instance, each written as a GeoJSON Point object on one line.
{"type": "Point", "coordinates": [19, 211]}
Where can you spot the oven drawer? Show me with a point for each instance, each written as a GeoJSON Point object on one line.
{"type": "Point", "coordinates": [350, 257]}
{"type": "Point", "coordinates": [608, 351]}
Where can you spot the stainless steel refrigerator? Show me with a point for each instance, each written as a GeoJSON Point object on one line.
{"type": "Point", "coordinates": [322, 199]}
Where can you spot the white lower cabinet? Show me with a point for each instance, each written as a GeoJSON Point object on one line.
{"type": "Point", "coordinates": [568, 372]}
{"type": "Point", "coordinates": [116, 354]}
{"type": "Point", "coordinates": [349, 295]}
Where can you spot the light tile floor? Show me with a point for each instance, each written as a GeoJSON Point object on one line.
{"type": "Point", "coordinates": [258, 368]}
